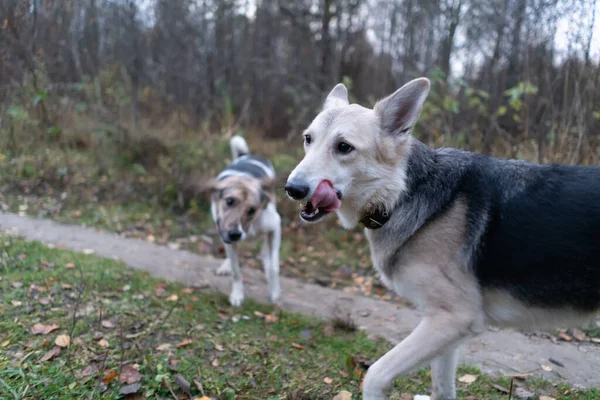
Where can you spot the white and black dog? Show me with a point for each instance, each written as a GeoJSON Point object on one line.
{"type": "Point", "coordinates": [243, 205]}
{"type": "Point", "coordinates": [472, 240]}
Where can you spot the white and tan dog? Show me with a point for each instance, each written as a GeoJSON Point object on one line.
{"type": "Point", "coordinates": [243, 205]}
{"type": "Point", "coordinates": [472, 240]}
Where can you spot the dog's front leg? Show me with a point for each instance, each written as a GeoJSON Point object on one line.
{"type": "Point", "coordinates": [432, 337]}
{"type": "Point", "coordinates": [237, 289]}
{"type": "Point", "coordinates": [272, 266]}
{"type": "Point", "coordinates": [443, 374]}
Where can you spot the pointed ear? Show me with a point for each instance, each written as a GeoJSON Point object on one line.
{"type": "Point", "coordinates": [338, 97]}
{"type": "Point", "coordinates": [267, 190]}
{"type": "Point", "coordinates": [400, 111]}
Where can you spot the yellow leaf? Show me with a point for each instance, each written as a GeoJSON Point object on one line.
{"type": "Point", "coordinates": [5, 343]}
{"type": "Point", "coordinates": [468, 379]}
{"type": "Point", "coordinates": [63, 341]}
{"type": "Point", "coordinates": [5, 23]}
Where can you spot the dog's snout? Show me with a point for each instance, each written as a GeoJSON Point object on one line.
{"type": "Point", "coordinates": [234, 236]}
{"type": "Point", "coordinates": [296, 191]}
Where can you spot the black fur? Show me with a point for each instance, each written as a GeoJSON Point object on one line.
{"type": "Point", "coordinates": [533, 230]}
{"type": "Point", "coordinates": [243, 164]}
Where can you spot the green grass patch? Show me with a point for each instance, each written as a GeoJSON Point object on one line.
{"type": "Point", "coordinates": [165, 340]}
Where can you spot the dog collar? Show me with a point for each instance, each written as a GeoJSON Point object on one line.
{"type": "Point", "coordinates": [375, 220]}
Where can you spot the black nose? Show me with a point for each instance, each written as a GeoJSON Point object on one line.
{"type": "Point", "coordinates": [234, 236]}
{"type": "Point", "coordinates": [296, 191]}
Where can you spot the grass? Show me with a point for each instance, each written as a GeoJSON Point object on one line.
{"type": "Point", "coordinates": [169, 341]}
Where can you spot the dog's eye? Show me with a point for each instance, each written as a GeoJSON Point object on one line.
{"type": "Point", "coordinates": [307, 139]}
{"type": "Point", "coordinates": [230, 201]}
{"type": "Point", "coordinates": [251, 211]}
{"type": "Point", "coordinates": [344, 148]}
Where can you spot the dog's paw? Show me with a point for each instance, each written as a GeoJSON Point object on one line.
{"type": "Point", "coordinates": [421, 397]}
{"type": "Point", "coordinates": [236, 299]}
{"type": "Point", "coordinates": [224, 269]}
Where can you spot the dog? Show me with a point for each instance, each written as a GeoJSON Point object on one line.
{"type": "Point", "coordinates": [472, 240]}
{"type": "Point", "coordinates": [243, 205]}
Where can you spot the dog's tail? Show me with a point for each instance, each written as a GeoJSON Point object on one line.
{"type": "Point", "coordinates": [239, 147]}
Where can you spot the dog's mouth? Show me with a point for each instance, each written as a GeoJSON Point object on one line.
{"type": "Point", "coordinates": [324, 201]}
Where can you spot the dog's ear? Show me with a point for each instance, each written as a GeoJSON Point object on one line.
{"type": "Point", "coordinates": [400, 111]}
{"type": "Point", "coordinates": [208, 187]}
{"type": "Point", "coordinates": [338, 97]}
{"type": "Point", "coordinates": [267, 190]}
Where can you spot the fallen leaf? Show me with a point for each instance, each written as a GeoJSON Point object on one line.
{"type": "Point", "coordinates": [16, 285]}
{"type": "Point", "coordinates": [259, 314]}
{"type": "Point", "coordinates": [565, 337]}
{"type": "Point", "coordinates": [70, 266]}
{"type": "Point", "coordinates": [297, 346]}
{"type": "Point", "coordinates": [187, 290]}
{"type": "Point", "coordinates": [183, 384]}
{"type": "Point", "coordinates": [163, 346]}
{"type": "Point", "coordinates": [66, 286]}
{"type": "Point", "coordinates": [16, 303]}
{"type": "Point", "coordinates": [468, 379]}
{"type": "Point", "coordinates": [5, 343]}
{"type": "Point", "coordinates": [130, 389]}
{"type": "Point", "coordinates": [344, 374]}
{"type": "Point", "coordinates": [62, 340]}
{"type": "Point", "coordinates": [103, 343]}
{"type": "Point", "coordinates": [501, 388]}
{"type": "Point", "coordinates": [579, 335]}
{"type": "Point", "coordinates": [173, 297]}
{"type": "Point", "coordinates": [546, 367]}
{"type": "Point", "coordinates": [90, 370]}
{"type": "Point", "coordinates": [184, 342]}
{"type": "Point", "coordinates": [50, 354]}
{"type": "Point", "coordinates": [215, 362]}
{"type": "Point", "coordinates": [596, 340]}
{"type": "Point", "coordinates": [269, 318]}
{"type": "Point", "coordinates": [88, 251]}
{"type": "Point", "coordinates": [109, 376]}
{"type": "Point", "coordinates": [328, 380]}
{"type": "Point", "coordinates": [343, 395]}
{"type": "Point", "coordinates": [523, 394]}
{"type": "Point", "coordinates": [548, 397]}
{"type": "Point", "coordinates": [219, 347]}
{"type": "Point", "coordinates": [108, 324]}
{"type": "Point", "coordinates": [129, 375]}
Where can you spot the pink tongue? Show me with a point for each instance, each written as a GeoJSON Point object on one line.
{"type": "Point", "coordinates": [325, 197]}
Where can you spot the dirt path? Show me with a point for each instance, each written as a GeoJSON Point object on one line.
{"type": "Point", "coordinates": [495, 352]}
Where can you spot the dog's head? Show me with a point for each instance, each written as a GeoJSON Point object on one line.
{"type": "Point", "coordinates": [236, 202]}
{"type": "Point", "coordinates": [355, 157]}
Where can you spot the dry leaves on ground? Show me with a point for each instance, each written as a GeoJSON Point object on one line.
{"type": "Point", "coordinates": [468, 379]}
{"type": "Point", "coordinates": [41, 329]}
{"type": "Point", "coordinates": [63, 340]}
{"type": "Point", "coordinates": [50, 354]}
{"type": "Point", "coordinates": [129, 375]}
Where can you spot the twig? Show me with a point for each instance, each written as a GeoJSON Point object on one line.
{"type": "Point", "coordinates": [168, 385]}
{"type": "Point", "coordinates": [510, 391]}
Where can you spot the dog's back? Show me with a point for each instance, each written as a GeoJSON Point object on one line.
{"type": "Point", "coordinates": [244, 164]}
{"type": "Point", "coordinates": [542, 239]}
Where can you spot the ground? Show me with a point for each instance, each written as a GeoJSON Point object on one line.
{"type": "Point", "coordinates": [80, 326]}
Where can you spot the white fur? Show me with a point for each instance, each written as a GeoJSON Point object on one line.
{"type": "Point", "coordinates": [238, 146]}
